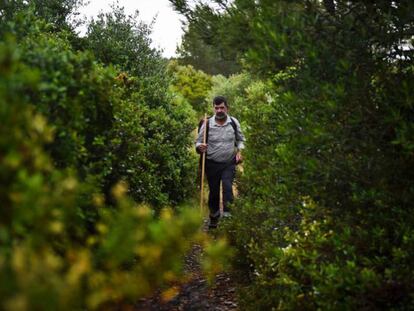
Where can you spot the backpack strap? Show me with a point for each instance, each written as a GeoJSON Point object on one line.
{"type": "Point", "coordinates": [208, 127]}
{"type": "Point", "coordinates": [233, 124]}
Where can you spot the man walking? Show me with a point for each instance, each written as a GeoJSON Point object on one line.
{"type": "Point", "coordinates": [223, 152]}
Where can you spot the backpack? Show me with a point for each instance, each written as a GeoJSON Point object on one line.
{"type": "Point", "coordinates": [200, 124]}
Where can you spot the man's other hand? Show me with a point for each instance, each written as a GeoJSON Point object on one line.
{"type": "Point", "coordinates": [239, 158]}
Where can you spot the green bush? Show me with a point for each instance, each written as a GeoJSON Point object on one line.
{"type": "Point", "coordinates": [108, 128]}
{"type": "Point", "coordinates": [78, 137]}
{"type": "Point", "coordinates": [49, 258]}
{"type": "Point", "coordinates": [324, 221]}
{"type": "Point", "coordinates": [152, 151]}
{"type": "Point", "coordinates": [192, 84]}
{"type": "Point", "coordinates": [123, 41]}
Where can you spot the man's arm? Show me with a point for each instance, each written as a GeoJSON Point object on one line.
{"type": "Point", "coordinates": [240, 139]}
{"type": "Point", "coordinates": [199, 141]}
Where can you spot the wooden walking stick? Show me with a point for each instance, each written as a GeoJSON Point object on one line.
{"type": "Point", "coordinates": [203, 163]}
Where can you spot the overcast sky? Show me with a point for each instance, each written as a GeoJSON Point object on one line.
{"type": "Point", "coordinates": [167, 28]}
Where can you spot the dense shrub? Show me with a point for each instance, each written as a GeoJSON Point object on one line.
{"type": "Point", "coordinates": [191, 84]}
{"type": "Point", "coordinates": [48, 260]}
{"type": "Point", "coordinates": [122, 40]}
{"type": "Point", "coordinates": [324, 220]}
{"type": "Point", "coordinates": [76, 138]}
{"type": "Point", "coordinates": [152, 151]}
{"type": "Point", "coordinates": [105, 127]}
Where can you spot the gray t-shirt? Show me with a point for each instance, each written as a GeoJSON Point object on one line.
{"type": "Point", "coordinates": [222, 141]}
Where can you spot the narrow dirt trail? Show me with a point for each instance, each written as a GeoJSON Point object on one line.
{"type": "Point", "coordinates": [196, 294]}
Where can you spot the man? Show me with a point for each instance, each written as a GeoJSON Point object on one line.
{"type": "Point", "coordinates": [223, 152]}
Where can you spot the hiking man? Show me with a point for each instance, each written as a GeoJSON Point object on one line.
{"type": "Point", "coordinates": [223, 151]}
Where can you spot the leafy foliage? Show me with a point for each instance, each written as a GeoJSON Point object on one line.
{"type": "Point", "coordinates": [325, 216]}
{"type": "Point", "coordinates": [205, 43]}
{"type": "Point", "coordinates": [192, 84]}
{"type": "Point", "coordinates": [234, 88]}
{"type": "Point", "coordinates": [59, 14]}
{"type": "Point", "coordinates": [107, 128]}
{"type": "Point", "coordinates": [48, 259]}
{"type": "Point", "coordinates": [76, 138]}
{"type": "Point", "coordinates": [122, 40]}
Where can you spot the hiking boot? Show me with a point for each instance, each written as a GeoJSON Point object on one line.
{"type": "Point", "coordinates": [226, 214]}
{"type": "Point", "coordinates": [213, 223]}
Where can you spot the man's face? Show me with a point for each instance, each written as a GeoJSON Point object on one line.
{"type": "Point", "coordinates": [220, 111]}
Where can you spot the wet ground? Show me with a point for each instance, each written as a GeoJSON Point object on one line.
{"type": "Point", "coordinates": [196, 294]}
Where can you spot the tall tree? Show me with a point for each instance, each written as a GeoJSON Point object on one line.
{"type": "Point", "coordinates": [192, 84]}
{"type": "Point", "coordinates": [206, 44]}
{"type": "Point", "coordinates": [124, 41]}
{"type": "Point", "coordinates": [59, 13]}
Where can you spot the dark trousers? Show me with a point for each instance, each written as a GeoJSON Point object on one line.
{"type": "Point", "coordinates": [220, 172]}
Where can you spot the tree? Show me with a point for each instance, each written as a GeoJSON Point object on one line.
{"type": "Point", "coordinates": [205, 43]}
{"type": "Point", "coordinates": [59, 13]}
{"type": "Point", "coordinates": [124, 41]}
{"type": "Point", "coordinates": [192, 84]}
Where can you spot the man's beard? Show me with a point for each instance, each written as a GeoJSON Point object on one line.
{"type": "Point", "coordinates": [221, 116]}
